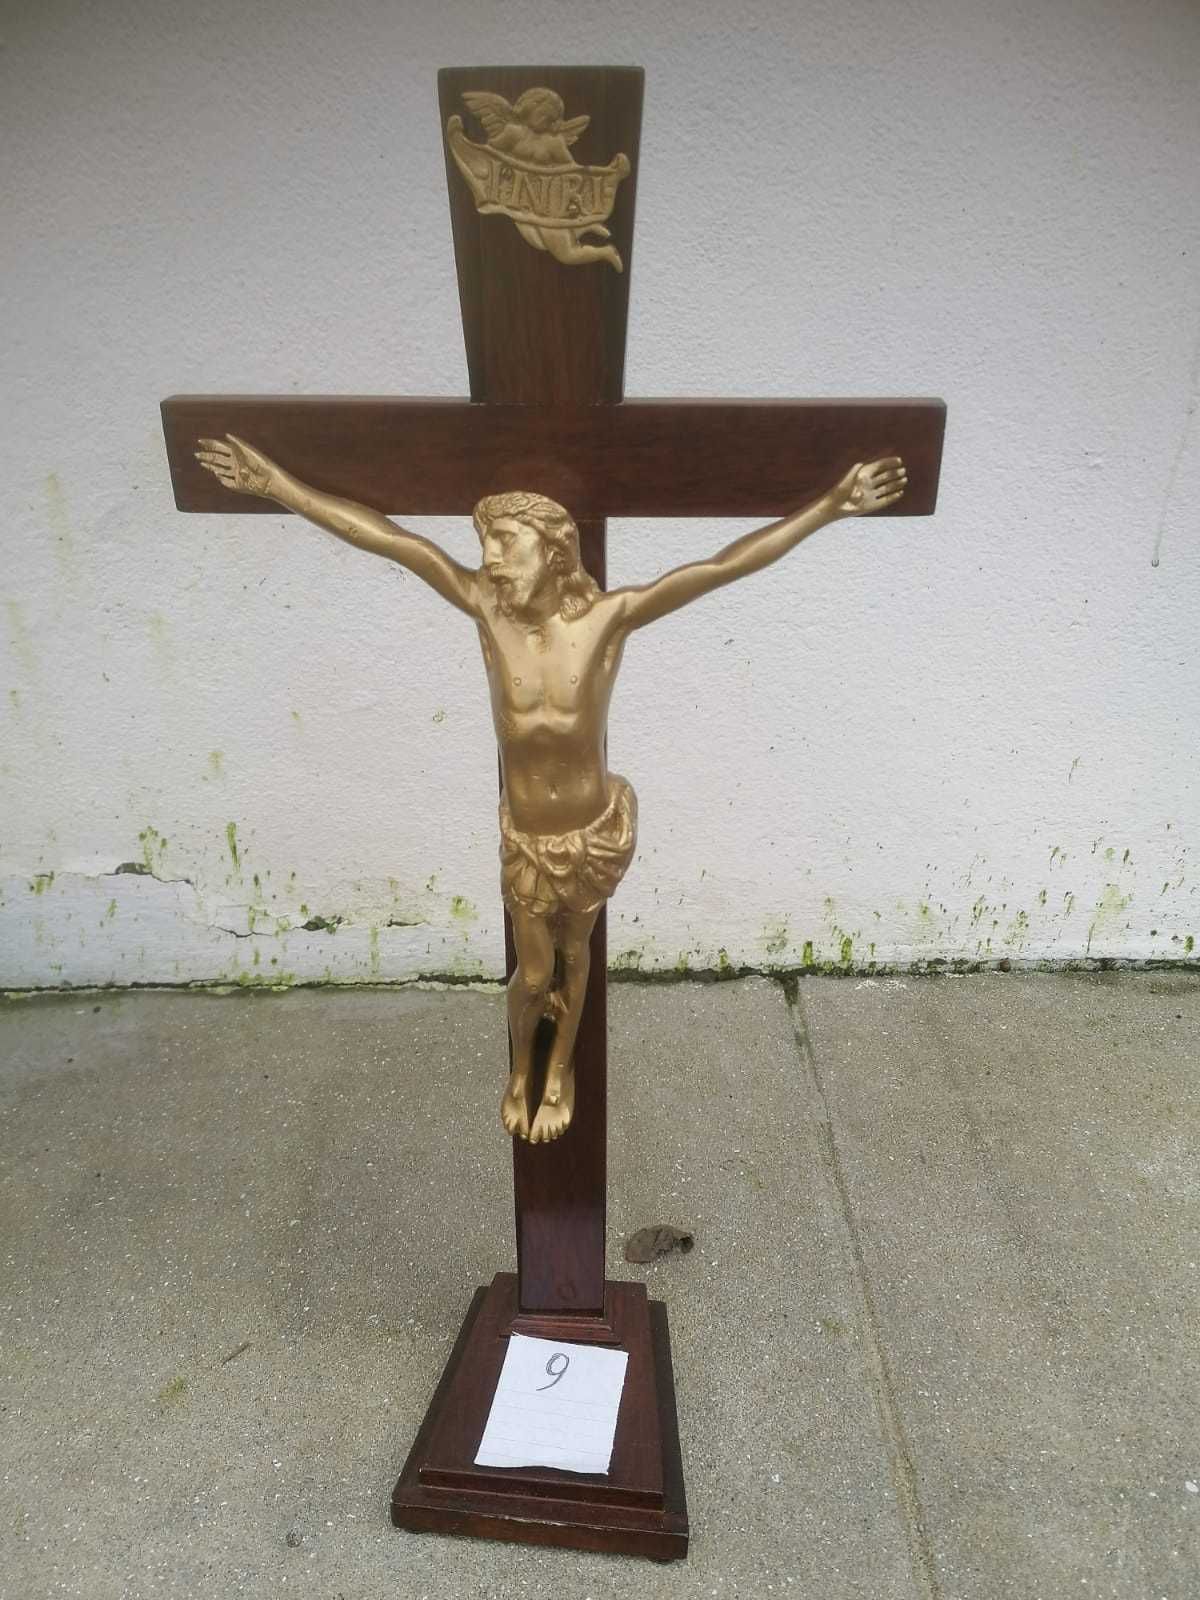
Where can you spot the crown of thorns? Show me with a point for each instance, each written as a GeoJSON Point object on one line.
{"type": "Point", "coordinates": [536, 508]}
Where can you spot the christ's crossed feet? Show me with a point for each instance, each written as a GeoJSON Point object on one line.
{"type": "Point", "coordinates": [553, 1115]}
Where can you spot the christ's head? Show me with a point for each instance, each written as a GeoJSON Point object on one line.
{"type": "Point", "coordinates": [530, 551]}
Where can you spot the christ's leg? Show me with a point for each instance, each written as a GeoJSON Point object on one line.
{"type": "Point", "coordinates": [527, 990]}
{"type": "Point", "coordinates": [558, 1097]}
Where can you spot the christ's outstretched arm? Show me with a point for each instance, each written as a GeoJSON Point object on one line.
{"type": "Point", "coordinates": [242, 468]}
{"type": "Point", "coordinates": [864, 488]}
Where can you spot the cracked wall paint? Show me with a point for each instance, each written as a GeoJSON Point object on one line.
{"type": "Point", "coordinates": [126, 928]}
{"type": "Point", "coordinates": [162, 919]}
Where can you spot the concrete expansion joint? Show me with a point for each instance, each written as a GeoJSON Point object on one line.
{"type": "Point", "coordinates": [843, 1226]}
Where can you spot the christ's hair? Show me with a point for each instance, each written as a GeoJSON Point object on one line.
{"type": "Point", "coordinates": [576, 587]}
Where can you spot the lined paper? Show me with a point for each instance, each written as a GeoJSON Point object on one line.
{"type": "Point", "coordinates": [555, 1406]}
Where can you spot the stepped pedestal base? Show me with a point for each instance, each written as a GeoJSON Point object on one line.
{"type": "Point", "coordinates": [637, 1508]}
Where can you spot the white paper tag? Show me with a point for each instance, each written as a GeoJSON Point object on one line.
{"type": "Point", "coordinates": [555, 1406]}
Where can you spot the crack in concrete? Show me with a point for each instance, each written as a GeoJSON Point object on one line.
{"type": "Point", "coordinates": [903, 1466]}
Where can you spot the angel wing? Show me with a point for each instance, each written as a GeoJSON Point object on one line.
{"type": "Point", "coordinates": [571, 130]}
{"type": "Point", "coordinates": [492, 110]}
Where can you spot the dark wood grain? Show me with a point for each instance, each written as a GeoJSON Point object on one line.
{"type": "Point", "coordinates": [536, 331]}
{"type": "Point", "coordinates": [642, 458]}
{"type": "Point", "coordinates": [637, 1508]}
{"type": "Point", "coordinates": [560, 1188]}
{"type": "Point", "coordinates": [542, 338]}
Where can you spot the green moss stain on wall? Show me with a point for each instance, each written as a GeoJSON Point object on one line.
{"type": "Point", "coordinates": [160, 639]}
{"type": "Point", "coordinates": [19, 640]}
{"type": "Point", "coordinates": [1017, 931]}
{"type": "Point", "coordinates": [249, 979]}
{"type": "Point", "coordinates": [154, 849]}
{"type": "Point", "coordinates": [1108, 911]}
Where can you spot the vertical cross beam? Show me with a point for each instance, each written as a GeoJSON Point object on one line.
{"type": "Point", "coordinates": [541, 333]}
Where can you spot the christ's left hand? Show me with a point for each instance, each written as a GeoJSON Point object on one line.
{"type": "Point", "coordinates": [870, 487]}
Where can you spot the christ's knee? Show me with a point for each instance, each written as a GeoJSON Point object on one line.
{"type": "Point", "coordinates": [531, 981]}
{"type": "Point", "coordinates": [576, 953]}
{"type": "Point", "coordinates": [576, 960]}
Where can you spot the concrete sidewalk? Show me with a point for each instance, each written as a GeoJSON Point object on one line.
{"type": "Point", "coordinates": [938, 1336]}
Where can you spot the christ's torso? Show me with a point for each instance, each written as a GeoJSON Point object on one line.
{"type": "Point", "coordinates": [550, 689]}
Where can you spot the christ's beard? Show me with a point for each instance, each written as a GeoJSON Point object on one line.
{"type": "Point", "coordinates": [504, 605]}
{"type": "Point", "coordinates": [507, 603]}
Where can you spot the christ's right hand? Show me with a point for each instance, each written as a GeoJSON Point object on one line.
{"type": "Point", "coordinates": [245, 470]}
{"type": "Point", "coordinates": [238, 465]}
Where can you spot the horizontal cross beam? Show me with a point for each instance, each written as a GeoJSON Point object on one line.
{"type": "Point", "coordinates": [641, 458]}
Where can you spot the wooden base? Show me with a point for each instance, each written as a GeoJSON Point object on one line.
{"type": "Point", "coordinates": [638, 1508]}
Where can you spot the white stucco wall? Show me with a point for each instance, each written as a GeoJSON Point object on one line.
{"type": "Point", "coordinates": [968, 737]}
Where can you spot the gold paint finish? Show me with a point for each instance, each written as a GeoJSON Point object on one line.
{"type": "Point", "coordinates": [526, 172]}
{"type": "Point", "coordinates": [552, 643]}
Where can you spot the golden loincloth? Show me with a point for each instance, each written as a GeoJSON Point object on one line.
{"type": "Point", "coordinates": [577, 871]}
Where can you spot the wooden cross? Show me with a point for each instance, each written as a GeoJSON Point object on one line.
{"type": "Point", "coordinates": [545, 351]}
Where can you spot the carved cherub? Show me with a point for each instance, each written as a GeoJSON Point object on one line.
{"type": "Point", "coordinates": [532, 130]}
{"type": "Point", "coordinates": [554, 202]}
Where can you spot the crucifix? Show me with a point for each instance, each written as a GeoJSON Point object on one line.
{"type": "Point", "coordinates": [543, 451]}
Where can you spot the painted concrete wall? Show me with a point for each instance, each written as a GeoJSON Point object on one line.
{"type": "Point", "coordinates": [239, 751]}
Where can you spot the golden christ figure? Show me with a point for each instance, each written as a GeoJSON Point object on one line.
{"type": "Point", "coordinates": [552, 643]}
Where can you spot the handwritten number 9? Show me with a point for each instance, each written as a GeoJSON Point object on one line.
{"type": "Point", "coordinates": [555, 1372]}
